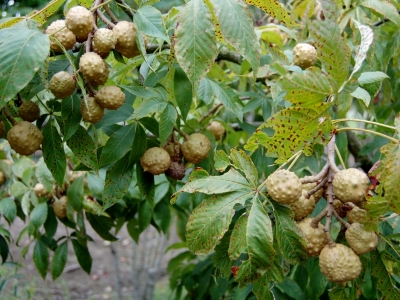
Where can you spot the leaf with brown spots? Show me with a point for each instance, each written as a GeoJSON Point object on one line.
{"type": "Point", "coordinates": [274, 9]}
{"type": "Point", "coordinates": [84, 148]}
{"type": "Point", "coordinates": [295, 128]}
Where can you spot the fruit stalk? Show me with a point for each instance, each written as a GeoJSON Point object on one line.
{"type": "Point", "coordinates": [322, 174]}
{"type": "Point", "coordinates": [110, 14]}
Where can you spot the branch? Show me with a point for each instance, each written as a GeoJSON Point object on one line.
{"type": "Point", "coordinates": [382, 21]}
{"type": "Point", "coordinates": [125, 7]}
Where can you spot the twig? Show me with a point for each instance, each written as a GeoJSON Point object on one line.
{"type": "Point", "coordinates": [340, 157]}
{"type": "Point", "coordinates": [382, 21]}
{"type": "Point", "coordinates": [318, 177]}
{"type": "Point", "coordinates": [331, 155]}
{"type": "Point", "coordinates": [88, 47]}
{"type": "Point", "coordinates": [210, 112]}
{"type": "Point", "coordinates": [104, 18]}
{"type": "Point", "coordinates": [364, 121]}
{"type": "Point", "coordinates": [9, 116]}
{"type": "Point", "coordinates": [343, 222]}
{"type": "Point", "coordinates": [230, 56]}
{"type": "Point", "coordinates": [183, 134]}
{"type": "Point", "coordinates": [317, 219]}
{"type": "Point", "coordinates": [316, 188]}
{"type": "Point", "coordinates": [110, 14]}
{"type": "Point", "coordinates": [369, 131]}
{"type": "Point", "coordinates": [329, 196]}
{"type": "Point", "coordinates": [92, 91]}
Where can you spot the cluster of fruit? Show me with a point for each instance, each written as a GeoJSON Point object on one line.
{"type": "Point", "coordinates": [338, 262]}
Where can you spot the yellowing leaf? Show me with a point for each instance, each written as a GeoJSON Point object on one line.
{"type": "Point", "coordinates": [274, 9]}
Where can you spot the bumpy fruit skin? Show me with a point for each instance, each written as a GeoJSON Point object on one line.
{"type": "Point", "coordinates": [216, 129]}
{"type": "Point", "coordinates": [315, 237]}
{"type": "Point", "coordinates": [25, 138]}
{"type": "Point", "coordinates": [93, 112]}
{"type": "Point", "coordinates": [110, 97]}
{"type": "Point", "coordinates": [196, 148]}
{"type": "Point", "coordinates": [284, 186]}
{"type": "Point", "coordinates": [94, 68]}
{"type": "Point", "coordinates": [356, 215]}
{"type": "Point", "coordinates": [360, 240]}
{"type": "Point", "coordinates": [66, 37]}
{"type": "Point", "coordinates": [304, 55]}
{"type": "Point", "coordinates": [339, 263]}
{"type": "Point", "coordinates": [80, 21]}
{"type": "Point", "coordinates": [303, 207]}
{"type": "Point", "coordinates": [104, 41]}
{"type": "Point", "coordinates": [339, 207]}
{"type": "Point", "coordinates": [2, 178]}
{"type": "Point", "coordinates": [309, 186]}
{"type": "Point", "coordinates": [40, 191]}
{"type": "Point", "coordinates": [126, 39]}
{"type": "Point", "coordinates": [155, 160]}
{"type": "Point", "coordinates": [169, 147]}
{"type": "Point", "coordinates": [60, 207]}
{"type": "Point", "coordinates": [29, 111]}
{"type": "Point", "coordinates": [2, 129]}
{"type": "Point", "coordinates": [350, 185]}
{"type": "Point", "coordinates": [176, 170]}
{"type": "Point", "coordinates": [62, 85]}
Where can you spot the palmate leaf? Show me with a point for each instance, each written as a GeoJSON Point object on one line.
{"type": "Point", "coordinates": [84, 148]}
{"type": "Point", "coordinates": [195, 42]}
{"type": "Point", "coordinates": [261, 288]}
{"type": "Point", "coordinates": [236, 25]}
{"type": "Point", "coordinates": [274, 9]}
{"type": "Point", "coordinates": [200, 182]}
{"type": "Point", "coordinates": [237, 244]}
{"type": "Point", "coordinates": [385, 283]}
{"type": "Point", "coordinates": [295, 129]}
{"type": "Point", "coordinates": [307, 89]}
{"type": "Point", "coordinates": [288, 236]}
{"type": "Point", "coordinates": [332, 48]}
{"type": "Point", "coordinates": [221, 258]}
{"type": "Point", "coordinates": [211, 219]}
{"type": "Point", "coordinates": [243, 162]}
{"type": "Point", "coordinates": [259, 247]}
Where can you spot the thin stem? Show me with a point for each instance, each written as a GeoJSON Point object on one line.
{"type": "Point", "coordinates": [9, 116]}
{"type": "Point", "coordinates": [331, 155]}
{"type": "Point", "coordinates": [126, 8]}
{"type": "Point", "coordinates": [294, 160]}
{"type": "Point", "coordinates": [317, 188]}
{"type": "Point", "coordinates": [343, 222]}
{"type": "Point", "coordinates": [47, 109]}
{"type": "Point", "coordinates": [210, 112]}
{"type": "Point", "coordinates": [110, 14]}
{"type": "Point", "coordinates": [368, 131]}
{"type": "Point", "coordinates": [340, 157]}
{"type": "Point", "coordinates": [317, 219]}
{"type": "Point", "coordinates": [318, 177]}
{"type": "Point", "coordinates": [183, 134]}
{"type": "Point", "coordinates": [99, 4]}
{"type": "Point", "coordinates": [294, 156]}
{"type": "Point", "coordinates": [89, 43]}
{"type": "Point", "coordinates": [330, 208]}
{"type": "Point", "coordinates": [363, 121]}
{"type": "Point", "coordinates": [104, 19]}
{"type": "Point", "coordinates": [92, 91]}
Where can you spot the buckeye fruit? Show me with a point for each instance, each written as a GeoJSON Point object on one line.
{"type": "Point", "coordinates": [350, 185]}
{"type": "Point", "coordinates": [304, 55]}
{"type": "Point", "coordinates": [339, 263]}
{"type": "Point", "coordinates": [62, 85]}
{"type": "Point", "coordinates": [25, 138]}
{"type": "Point", "coordinates": [284, 186]}
{"type": "Point", "coordinates": [360, 240]}
{"type": "Point", "coordinates": [60, 207]}
{"type": "Point", "coordinates": [125, 32]}
{"type": "Point", "coordinates": [65, 36]}
{"type": "Point", "coordinates": [315, 237]}
{"type": "Point", "coordinates": [91, 111]}
{"type": "Point", "coordinates": [196, 148]}
{"type": "Point", "coordinates": [80, 21]}
{"type": "Point", "coordinates": [29, 111]}
{"type": "Point", "coordinates": [155, 160]}
{"type": "Point", "coordinates": [303, 206]}
{"type": "Point", "coordinates": [94, 68]}
{"type": "Point", "coordinates": [176, 170]}
{"type": "Point", "coordinates": [110, 97]}
{"type": "Point", "coordinates": [216, 129]}
{"type": "Point", "coordinates": [356, 215]}
{"type": "Point", "coordinates": [104, 41]}
{"type": "Point", "coordinates": [40, 191]}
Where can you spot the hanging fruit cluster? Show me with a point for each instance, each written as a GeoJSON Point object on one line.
{"type": "Point", "coordinates": [345, 192]}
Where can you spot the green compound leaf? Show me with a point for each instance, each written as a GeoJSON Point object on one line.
{"type": "Point", "coordinates": [59, 260]}
{"type": "Point", "coordinates": [200, 182]}
{"type": "Point", "coordinates": [237, 29]}
{"type": "Point", "coordinates": [71, 115]}
{"type": "Point", "coordinates": [83, 256]}
{"type": "Point", "coordinates": [261, 288]}
{"type": "Point", "coordinates": [210, 220]}
{"type": "Point", "coordinates": [274, 9]}
{"type": "Point", "coordinates": [41, 257]}
{"type": "Point", "coordinates": [295, 129]}
{"type": "Point", "coordinates": [167, 122]}
{"type": "Point", "coordinates": [244, 163]}
{"type": "Point", "coordinates": [384, 8]}
{"type": "Point", "coordinates": [288, 236]}
{"type": "Point", "coordinates": [149, 21]}
{"type": "Point", "coordinates": [183, 92]}
{"type": "Point", "coordinates": [53, 152]}
{"type": "Point", "coordinates": [259, 247]}
{"type": "Point", "coordinates": [84, 148]}
{"type": "Point", "coordinates": [307, 89]}
{"type": "Point", "coordinates": [237, 244]}
{"type": "Point", "coordinates": [221, 259]}
{"type": "Point", "coordinates": [195, 42]}
{"type": "Point", "coordinates": [386, 283]}
{"type": "Point", "coordinates": [22, 53]}
{"type": "Point", "coordinates": [332, 48]}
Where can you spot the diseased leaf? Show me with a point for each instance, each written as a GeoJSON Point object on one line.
{"type": "Point", "coordinates": [243, 162]}
{"type": "Point", "coordinates": [71, 115]}
{"type": "Point", "coordinates": [367, 37]}
{"type": "Point", "coordinates": [238, 241]}
{"type": "Point", "coordinates": [210, 220]}
{"type": "Point", "coordinates": [274, 9]}
{"type": "Point", "coordinates": [221, 259]}
{"type": "Point", "coordinates": [295, 129]}
{"type": "Point", "coordinates": [195, 42]}
{"type": "Point", "coordinates": [222, 161]}
{"type": "Point", "coordinates": [385, 282]}
{"type": "Point", "coordinates": [261, 288]}
{"type": "Point", "coordinates": [84, 148]}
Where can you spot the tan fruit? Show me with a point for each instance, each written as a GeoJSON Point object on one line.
{"type": "Point", "coordinates": [339, 263]}
{"type": "Point", "coordinates": [25, 138]}
{"type": "Point", "coordinates": [91, 112]}
{"type": "Point", "coordinates": [2, 129]}
{"type": "Point", "coordinates": [155, 160]}
{"type": "Point", "coordinates": [304, 55]}
{"type": "Point", "coordinates": [284, 186]}
{"type": "Point", "coordinates": [104, 41]}
{"type": "Point", "coordinates": [360, 240]}
{"type": "Point", "coordinates": [216, 129]}
{"type": "Point", "coordinates": [309, 186]}
{"type": "Point", "coordinates": [29, 111]}
{"type": "Point", "coordinates": [94, 68]}
{"type": "Point", "coordinates": [80, 21]}
{"type": "Point", "coordinates": [169, 147]}
{"type": "Point", "coordinates": [350, 185]}
{"type": "Point", "coordinates": [40, 191]}
{"type": "Point", "coordinates": [357, 215]}
{"type": "Point", "coordinates": [62, 85]}
{"type": "Point", "coordinates": [126, 39]}
{"type": "Point", "coordinates": [339, 207]}
{"type": "Point", "coordinates": [60, 207]}
{"type": "Point", "coordinates": [2, 178]}
{"type": "Point", "coordinates": [176, 170]}
{"type": "Point", "coordinates": [110, 97]}
{"type": "Point", "coordinates": [196, 148]}
{"type": "Point", "coordinates": [315, 237]}
{"type": "Point", "coordinates": [65, 36]}
{"type": "Point", "coordinates": [303, 206]}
